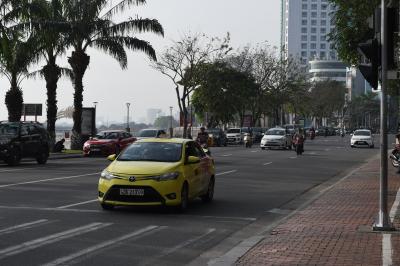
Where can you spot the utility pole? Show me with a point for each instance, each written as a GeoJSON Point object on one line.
{"type": "Point", "coordinates": [171, 130]}
{"type": "Point", "coordinates": [127, 117]}
{"type": "Point", "coordinates": [383, 223]}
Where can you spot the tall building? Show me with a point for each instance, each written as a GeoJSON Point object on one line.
{"type": "Point", "coordinates": [305, 25]}
{"type": "Point", "coordinates": [152, 114]}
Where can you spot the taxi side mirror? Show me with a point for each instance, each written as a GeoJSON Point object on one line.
{"type": "Point", "coordinates": [112, 157]}
{"type": "Point", "coordinates": [193, 160]}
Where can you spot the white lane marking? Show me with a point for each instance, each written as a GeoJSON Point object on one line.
{"type": "Point", "coordinates": [39, 242]}
{"type": "Point", "coordinates": [225, 173]}
{"type": "Point", "coordinates": [20, 227]}
{"type": "Point", "coordinates": [102, 245]}
{"type": "Point", "coordinates": [387, 250]}
{"type": "Point", "coordinates": [279, 211]}
{"type": "Point", "coordinates": [15, 170]}
{"type": "Point", "coordinates": [178, 247]}
{"type": "Point", "coordinates": [77, 204]}
{"type": "Point", "coordinates": [327, 149]}
{"type": "Point", "coordinates": [313, 153]}
{"type": "Point", "coordinates": [226, 155]}
{"type": "Point", "coordinates": [224, 217]}
{"type": "Point", "coordinates": [49, 209]}
{"type": "Point", "coordinates": [46, 180]}
{"type": "Point", "coordinates": [268, 163]}
{"type": "Point", "coordinates": [293, 157]}
{"type": "Point", "coordinates": [254, 151]}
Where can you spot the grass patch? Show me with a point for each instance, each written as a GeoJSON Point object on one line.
{"type": "Point", "coordinates": [72, 151]}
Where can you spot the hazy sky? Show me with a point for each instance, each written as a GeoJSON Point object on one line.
{"type": "Point", "coordinates": [249, 22]}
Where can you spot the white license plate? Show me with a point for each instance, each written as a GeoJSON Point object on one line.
{"type": "Point", "coordinates": [131, 192]}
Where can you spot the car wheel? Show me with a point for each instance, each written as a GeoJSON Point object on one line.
{"type": "Point", "coordinates": [263, 148]}
{"type": "Point", "coordinates": [117, 149]}
{"type": "Point", "coordinates": [208, 197]}
{"type": "Point", "coordinates": [225, 144]}
{"type": "Point", "coordinates": [42, 156]}
{"type": "Point", "coordinates": [14, 158]}
{"type": "Point", "coordinates": [372, 146]}
{"type": "Point", "coordinates": [184, 198]}
{"type": "Point", "coordinates": [352, 146]}
{"type": "Point", "coordinates": [290, 146]}
{"type": "Point", "coordinates": [107, 207]}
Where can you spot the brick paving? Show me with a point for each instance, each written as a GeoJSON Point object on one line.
{"type": "Point", "coordinates": [334, 229]}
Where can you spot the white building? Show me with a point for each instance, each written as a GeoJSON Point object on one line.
{"type": "Point", "coordinates": [322, 70]}
{"type": "Point", "coordinates": [304, 28]}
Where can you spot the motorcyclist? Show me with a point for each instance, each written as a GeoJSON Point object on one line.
{"type": "Point", "coordinates": [298, 140]}
{"type": "Point", "coordinates": [202, 136]}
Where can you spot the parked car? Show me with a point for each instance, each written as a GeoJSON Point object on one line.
{"type": "Point", "coordinates": [23, 139]}
{"type": "Point", "coordinates": [234, 135]}
{"type": "Point", "coordinates": [108, 142]}
{"type": "Point", "coordinates": [276, 138]}
{"type": "Point", "coordinates": [157, 171]}
{"type": "Point", "coordinates": [151, 133]}
{"type": "Point", "coordinates": [362, 138]}
{"type": "Point", "coordinates": [217, 137]}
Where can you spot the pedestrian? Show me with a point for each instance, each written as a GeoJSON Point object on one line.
{"type": "Point", "coordinates": [298, 140]}
{"type": "Point", "coordinates": [59, 146]}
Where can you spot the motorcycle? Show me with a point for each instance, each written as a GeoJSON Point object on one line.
{"type": "Point", "coordinates": [312, 135]}
{"type": "Point", "coordinates": [298, 144]}
{"type": "Point", "coordinates": [204, 146]}
{"type": "Point", "coordinates": [395, 156]}
{"type": "Point", "coordinates": [248, 142]}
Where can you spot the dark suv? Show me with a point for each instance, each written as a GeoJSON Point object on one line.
{"type": "Point", "coordinates": [23, 139]}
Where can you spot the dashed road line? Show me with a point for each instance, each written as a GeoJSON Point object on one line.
{"type": "Point", "coordinates": [225, 173]}
{"type": "Point", "coordinates": [77, 204]}
{"type": "Point", "coordinates": [23, 226]}
{"type": "Point", "coordinates": [39, 242]}
{"type": "Point", "coordinates": [267, 163]}
{"type": "Point", "coordinates": [47, 180]}
{"type": "Point", "coordinates": [102, 245]}
{"type": "Point", "coordinates": [226, 155]}
{"type": "Point", "coordinates": [280, 211]}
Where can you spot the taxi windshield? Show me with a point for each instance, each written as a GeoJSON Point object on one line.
{"type": "Point", "coordinates": [152, 151]}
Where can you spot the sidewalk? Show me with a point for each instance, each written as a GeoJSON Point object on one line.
{"type": "Point", "coordinates": [335, 229]}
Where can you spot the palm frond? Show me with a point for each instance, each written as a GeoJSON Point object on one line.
{"type": "Point", "coordinates": [121, 6]}
{"type": "Point", "coordinates": [136, 44]}
{"type": "Point", "coordinates": [138, 25]}
{"type": "Point", "coordinates": [67, 72]}
{"type": "Point", "coordinates": [114, 48]}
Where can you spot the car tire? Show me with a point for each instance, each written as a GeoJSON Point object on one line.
{"type": "Point", "coordinates": [372, 146]}
{"type": "Point", "coordinates": [225, 144]}
{"type": "Point", "coordinates": [182, 207]}
{"type": "Point", "coordinates": [352, 146]}
{"type": "Point", "coordinates": [14, 158]}
{"type": "Point", "coordinates": [208, 197]}
{"type": "Point", "coordinates": [117, 149]}
{"type": "Point", "coordinates": [263, 148]}
{"type": "Point", "coordinates": [107, 207]}
{"type": "Point", "coordinates": [42, 157]}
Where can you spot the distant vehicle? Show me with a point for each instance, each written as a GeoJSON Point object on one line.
{"type": "Point", "coordinates": [151, 133]}
{"type": "Point", "coordinates": [108, 142]}
{"type": "Point", "coordinates": [362, 138]}
{"type": "Point", "coordinates": [23, 139]}
{"type": "Point", "coordinates": [217, 137]}
{"type": "Point", "coordinates": [276, 138]}
{"type": "Point", "coordinates": [258, 133]}
{"type": "Point", "coordinates": [234, 135]}
{"type": "Point", "coordinates": [157, 171]}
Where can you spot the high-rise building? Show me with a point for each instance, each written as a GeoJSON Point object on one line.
{"type": "Point", "coordinates": [305, 27]}
{"type": "Point", "coordinates": [152, 114]}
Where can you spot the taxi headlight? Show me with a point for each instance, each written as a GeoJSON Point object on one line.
{"type": "Point", "coordinates": [86, 145]}
{"type": "Point", "coordinates": [167, 176]}
{"type": "Point", "coordinates": [107, 175]}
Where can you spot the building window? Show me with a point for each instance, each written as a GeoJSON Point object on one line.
{"type": "Point", "coordinates": [314, 6]}
{"type": "Point", "coordinates": [313, 46]}
{"type": "Point", "coordinates": [304, 46]}
{"type": "Point", "coordinates": [332, 55]}
{"type": "Point", "coordinates": [304, 14]}
{"type": "Point", "coordinates": [323, 38]}
{"type": "Point", "coordinates": [304, 37]}
{"type": "Point", "coordinates": [323, 14]}
{"type": "Point", "coordinates": [304, 22]}
{"type": "Point", "coordinates": [304, 54]}
{"type": "Point", "coordinates": [313, 54]}
{"type": "Point", "coordinates": [323, 46]}
{"type": "Point", "coordinates": [314, 22]}
{"type": "Point", "coordinates": [323, 30]}
{"type": "Point", "coordinates": [313, 38]}
{"type": "Point", "coordinates": [322, 55]}
{"type": "Point", "coordinates": [313, 30]}
{"type": "Point", "coordinates": [323, 22]}
{"type": "Point", "coordinates": [304, 6]}
{"type": "Point", "coordinates": [303, 30]}
{"type": "Point", "coordinates": [313, 14]}
{"type": "Point", "coordinates": [324, 6]}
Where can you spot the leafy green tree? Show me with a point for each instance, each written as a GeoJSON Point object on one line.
{"type": "Point", "coordinates": [91, 26]}
{"type": "Point", "coordinates": [362, 108]}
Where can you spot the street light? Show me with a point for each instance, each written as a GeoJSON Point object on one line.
{"type": "Point", "coordinates": [94, 119]}
{"type": "Point", "coordinates": [127, 117]}
{"type": "Point", "coordinates": [171, 131]}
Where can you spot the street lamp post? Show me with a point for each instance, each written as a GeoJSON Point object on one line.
{"type": "Point", "coordinates": [171, 130]}
{"type": "Point", "coordinates": [94, 128]}
{"type": "Point", "coordinates": [127, 117]}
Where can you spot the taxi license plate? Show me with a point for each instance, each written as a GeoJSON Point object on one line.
{"type": "Point", "coordinates": [131, 192]}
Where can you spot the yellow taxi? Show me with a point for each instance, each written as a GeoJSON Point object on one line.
{"type": "Point", "coordinates": [157, 171]}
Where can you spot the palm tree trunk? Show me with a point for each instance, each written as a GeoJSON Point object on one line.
{"type": "Point", "coordinates": [52, 74]}
{"type": "Point", "coordinates": [14, 101]}
{"type": "Point", "coordinates": [79, 62]}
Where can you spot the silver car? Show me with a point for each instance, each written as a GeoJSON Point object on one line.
{"type": "Point", "coordinates": [362, 138]}
{"type": "Point", "coordinates": [276, 138]}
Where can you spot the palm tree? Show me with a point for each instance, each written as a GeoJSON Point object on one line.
{"type": "Point", "coordinates": [50, 26]}
{"type": "Point", "coordinates": [92, 26]}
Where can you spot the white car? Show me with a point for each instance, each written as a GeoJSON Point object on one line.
{"type": "Point", "coordinates": [234, 136]}
{"type": "Point", "coordinates": [362, 138]}
{"type": "Point", "coordinates": [276, 138]}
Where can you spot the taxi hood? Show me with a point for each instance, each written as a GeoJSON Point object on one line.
{"type": "Point", "coordinates": [142, 167]}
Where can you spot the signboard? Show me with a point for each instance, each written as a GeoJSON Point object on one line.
{"type": "Point", "coordinates": [32, 109]}
{"type": "Point", "coordinates": [88, 121]}
{"type": "Point", "coordinates": [247, 121]}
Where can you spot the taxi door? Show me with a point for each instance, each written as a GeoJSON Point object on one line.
{"type": "Point", "coordinates": [204, 169]}
{"type": "Point", "coordinates": [193, 172]}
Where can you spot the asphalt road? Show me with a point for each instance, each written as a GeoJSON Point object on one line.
{"type": "Point", "coordinates": [49, 214]}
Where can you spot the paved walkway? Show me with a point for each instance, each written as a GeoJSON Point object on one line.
{"type": "Point", "coordinates": [336, 228]}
